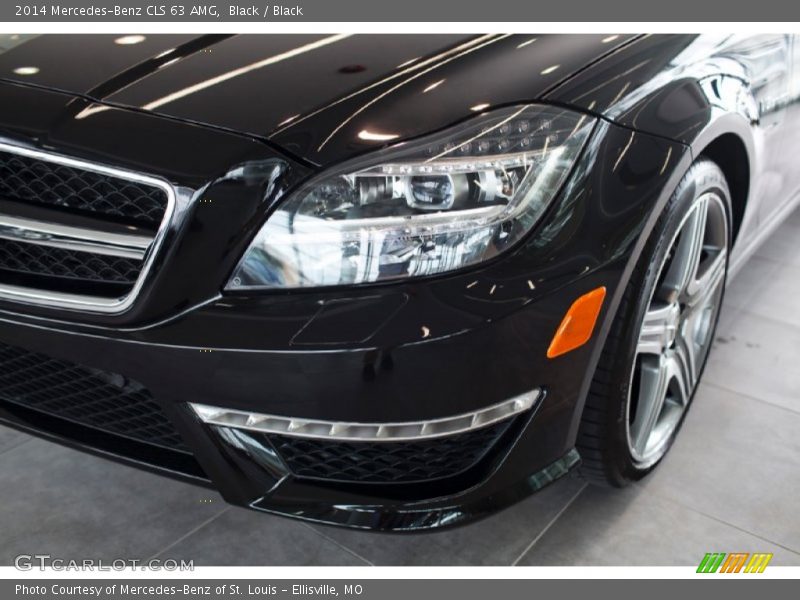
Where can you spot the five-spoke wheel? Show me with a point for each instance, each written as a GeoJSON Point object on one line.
{"type": "Point", "coordinates": [661, 334]}
{"type": "Point", "coordinates": [676, 331]}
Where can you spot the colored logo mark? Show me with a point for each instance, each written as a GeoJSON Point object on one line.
{"type": "Point", "coordinates": [736, 562]}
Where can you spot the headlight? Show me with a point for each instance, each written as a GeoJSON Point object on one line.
{"type": "Point", "coordinates": [448, 201]}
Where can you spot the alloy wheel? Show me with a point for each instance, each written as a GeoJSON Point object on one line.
{"type": "Point", "coordinates": [677, 329]}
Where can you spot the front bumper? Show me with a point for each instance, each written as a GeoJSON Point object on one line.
{"type": "Point", "coordinates": [411, 351]}
{"type": "Point", "coordinates": [418, 380]}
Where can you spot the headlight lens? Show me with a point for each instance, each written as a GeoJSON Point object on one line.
{"type": "Point", "coordinates": [451, 200]}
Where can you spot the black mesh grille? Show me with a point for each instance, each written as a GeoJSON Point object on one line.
{"type": "Point", "coordinates": [58, 189]}
{"type": "Point", "coordinates": [106, 401]}
{"type": "Point", "coordinates": [387, 462]}
{"type": "Point", "coordinates": [32, 259]}
{"type": "Point", "coordinates": [76, 190]}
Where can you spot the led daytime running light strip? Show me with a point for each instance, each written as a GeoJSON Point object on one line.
{"type": "Point", "coordinates": [367, 432]}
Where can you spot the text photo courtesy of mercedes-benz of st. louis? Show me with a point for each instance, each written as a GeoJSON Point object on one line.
{"type": "Point", "coordinates": [390, 282]}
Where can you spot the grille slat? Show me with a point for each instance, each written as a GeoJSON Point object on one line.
{"type": "Point", "coordinates": [387, 462]}
{"type": "Point", "coordinates": [102, 400]}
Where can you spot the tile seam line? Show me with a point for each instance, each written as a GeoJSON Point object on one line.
{"type": "Point", "coordinates": [747, 396]}
{"type": "Point", "coordinates": [547, 527]}
{"type": "Point", "coordinates": [338, 544]}
{"type": "Point", "coordinates": [189, 533]}
{"type": "Point", "coordinates": [14, 446]}
{"type": "Point", "coordinates": [773, 320]}
{"type": "Point", "coordinates": [727, 523]}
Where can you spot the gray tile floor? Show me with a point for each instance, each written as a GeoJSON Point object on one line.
{"type": "Point", "coordinates": [730, 483]}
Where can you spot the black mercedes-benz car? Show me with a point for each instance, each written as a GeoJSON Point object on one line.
{"type": "Point", "coordinates": [391, 282]}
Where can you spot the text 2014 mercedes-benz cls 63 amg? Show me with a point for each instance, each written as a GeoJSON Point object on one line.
{"type": "Point", "coordinates": [390, 282]}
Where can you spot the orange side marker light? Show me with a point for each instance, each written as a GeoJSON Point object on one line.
{"type": "Point", "coordinates": [578, 324]}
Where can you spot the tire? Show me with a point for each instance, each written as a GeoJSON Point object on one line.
{"type": "Point", "coordinates": [660, 333]}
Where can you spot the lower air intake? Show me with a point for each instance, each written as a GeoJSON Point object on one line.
{"type": "Point", "coordinates": [98, 399]}
{"type": "Point", "coordinates": [387, 462]}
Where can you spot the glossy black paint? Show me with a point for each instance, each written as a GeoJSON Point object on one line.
{"type": "Point", "coordinates": [736, 90]}
{"type": "Point", "coordinates": [195, 159]}
{"type": "Point", "coordinates": [297, 90]}
{"type": "Point", "coordinates": [426, 348]}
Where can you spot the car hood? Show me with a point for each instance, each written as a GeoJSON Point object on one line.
{"type": "Point", "coordinates": [323, 98]}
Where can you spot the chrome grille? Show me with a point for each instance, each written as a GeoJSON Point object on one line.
{"type": "Point", "coordinates": [75, 234]}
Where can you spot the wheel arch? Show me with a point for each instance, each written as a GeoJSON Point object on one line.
{"type": "Point", "coordinates": [727, 138]}
{"type": "Point", "coordinates": [728, 141]}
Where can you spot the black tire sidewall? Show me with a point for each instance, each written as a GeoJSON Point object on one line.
{"type": "Point", "coordinates": [702, 177]}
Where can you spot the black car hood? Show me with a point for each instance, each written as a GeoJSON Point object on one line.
{"type": "Point", "coordinates": [313, 95]}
